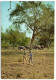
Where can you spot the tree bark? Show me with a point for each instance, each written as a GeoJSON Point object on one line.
{"type": "Point", "coordinates": [33, 36]}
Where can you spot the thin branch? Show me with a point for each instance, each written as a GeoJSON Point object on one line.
{"type": "Point", "coordinates": [29, 26]}
{"type": "Point", "coordinates": [37, 33]}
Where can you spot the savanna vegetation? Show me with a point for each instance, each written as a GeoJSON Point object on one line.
{"type": "Point", "coordinates": [38, 18]}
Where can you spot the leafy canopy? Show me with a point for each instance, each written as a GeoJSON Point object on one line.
{"type": "Point", "coordinates": [36, 15]}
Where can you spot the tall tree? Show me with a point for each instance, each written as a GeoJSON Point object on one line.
{"type": "Point", "coordinates": [36, 16]}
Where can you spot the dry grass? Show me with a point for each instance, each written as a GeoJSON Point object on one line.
{"type": "Point", "coordinates": [42, 68]}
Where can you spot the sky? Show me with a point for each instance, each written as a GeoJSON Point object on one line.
{"type": "Point", "coordinates": [5, 23]}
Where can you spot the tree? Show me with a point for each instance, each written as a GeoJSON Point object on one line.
{"type": "Point", "coordinates": [12, 36]}
{"type": "Point", "coordinates": [16, 38]}
{"type": "Point", "coordinates": [35, 15]}
{"type": "Point", "coordinates": [23, 40]}
{"type": "Point", "coordinates": [4, 39]}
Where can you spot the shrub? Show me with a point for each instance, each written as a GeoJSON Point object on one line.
{"type": "Point", "coordinates": [5, 45]}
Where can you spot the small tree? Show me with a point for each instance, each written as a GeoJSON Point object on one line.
{"type": "Point", "coordinates": [16, 38]}
{"type": "Point", "coordinates": [12, 36]}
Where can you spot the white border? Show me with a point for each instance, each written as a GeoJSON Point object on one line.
{"type": "Point", "coordinates": [54, 40]}
{"type": "Point", "coordinates": [0, 39]}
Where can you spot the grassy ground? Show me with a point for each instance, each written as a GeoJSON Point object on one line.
{"type": "Point", "coordinates": [12, 67]}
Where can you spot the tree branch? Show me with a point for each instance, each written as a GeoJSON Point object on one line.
{"type": "Point", "coordinates": [29, 26]}
{"type": "Point", "coordinates": [37, 33]}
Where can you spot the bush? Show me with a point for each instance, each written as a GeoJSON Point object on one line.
{"type": "Point", "coordinates": [5, 45]}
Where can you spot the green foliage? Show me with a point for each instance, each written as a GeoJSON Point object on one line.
{"type": "Point", "coordinates": [5, 45]}
{"type": "Point", "coordinates": [23, 41]}
{"type": "Point", "coordinates": [38, 17]}
{"type": "Point", "coordinates": [4, 37]}
{"type": "Point", "coordinates": [12, 37]}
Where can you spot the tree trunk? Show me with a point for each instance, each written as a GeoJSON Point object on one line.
{"type": "Point", "coordinates": [33, 36]}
